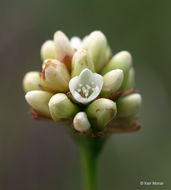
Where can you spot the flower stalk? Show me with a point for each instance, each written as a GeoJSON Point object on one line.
{"type": "Point", "coordinates": [90, 149]}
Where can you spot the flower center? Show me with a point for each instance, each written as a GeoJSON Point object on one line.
{"type": "Point", "coordinates": [86, 90]}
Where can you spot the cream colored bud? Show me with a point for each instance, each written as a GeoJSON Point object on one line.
{"type": "Point", "coordinates": [76, 42]}
{"type": "Point", "coordinates": [32, 81]}
{"type": "Point", "coordinates": [101, 112]}
{"type": "Point", "coordinates": [81, 122]}
{"type": "Point", "coordinates": [112, 81]}
{"type": "Point", "coordinates": [61, 107]}
{"type": "Point", "coordinates": [80, 61]}
{"type": "Point", "coordinates": [129, 105]}
{"type": "Point", "coordinates": [38, 100]}
{"type": "Point", "coordinates": [63, 48]}
{"type": "Point", "coordinates": [48, 50]}
{"type": "Point", "coordinates": [55, 76]}
{"type": "Point", "coordinates": [96, 44]}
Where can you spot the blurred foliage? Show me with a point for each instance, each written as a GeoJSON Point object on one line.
{"type": "Point", "coordinates": [39, 155]}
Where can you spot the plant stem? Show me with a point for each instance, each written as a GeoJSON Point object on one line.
{"type": "Point", "coordinates": [89, 151]}
{"type": "Point", "coordinates": [89, 167]}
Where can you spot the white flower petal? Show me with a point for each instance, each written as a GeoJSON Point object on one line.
{"type": "Point", "coordinates": [73, 83]}
{"type": "Point", "coordinates": [94, 94]}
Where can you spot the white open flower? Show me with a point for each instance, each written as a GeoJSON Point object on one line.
{"type": "Point", "coordinates": [86, 87]}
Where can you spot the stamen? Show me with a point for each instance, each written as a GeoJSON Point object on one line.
{"type": "Point", "coordinates": [83, 89]}
{"type": "Point", "coordinates": [86, 90]}
{"type": "Point", "coordinates": [88, 87]}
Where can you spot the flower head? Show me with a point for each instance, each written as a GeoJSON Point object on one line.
{"type": "Point", "coordinates": [82, 84]}
{"type": "Point", "coordinates": [86, 87]}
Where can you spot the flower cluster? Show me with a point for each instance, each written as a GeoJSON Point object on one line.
{"type": "Point", "coordinates": [82, 83]}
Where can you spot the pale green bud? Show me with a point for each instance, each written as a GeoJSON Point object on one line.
{"type": "Point", "coordinates": [130, 81]}
{"type": "Point", "coordinates": [81, 122]}
{"type": "Point", "coordinates": [63, 48]}
{"type": "Point", "coordinates": [48, 50]}
{"type": "Point", "coordinates": [112, 81]}
{"type": "Point", "coordinates": [101, 112]}
{"type": "Point", "coordinates": [61, 107]}
{"type": "Point", "coordinates": [38, 100]}
{"type": "Point", "coordinates": [122, 60]}
{"type": "Point", "coordinates": [96, 44]}
{"type": "Point", "coordinates": [55, 76]}
{"type": "Point", "coordinates": [32, 81]}
{"type": "Point", "coordinates": [129, 105]}
{"type": "Point", "coordinates": [80, 61]}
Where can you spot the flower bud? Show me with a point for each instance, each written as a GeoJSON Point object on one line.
{"type": "Point", "coordinates": [31, 81]}
{"type": "Point", "coordinates": [130, 81]}
{"type": "Point", "coordinates": [112, 81]}
{"type": "Point", "coordinates": [63, 48]}
{"type": "Point", "coordinates": [85, 41]}
{"type": "Point", "coordinates": [80, 61]}
{"type": "Point", "coordinates": [48, 50]}
{"type": "Point", "coordinates": [108, 53]}
{"type": "Point", "coordinates": [76, 42]}
{"type": "Point", "coordinates": [121, 60]}
{"type": "Point", "coordinates": [96, 44]}
{"type": "Point", "coordinates": [55, 76]}
{"type": "Point", "coordinates": [129, 105]}
{"type": "Point", "coordinates": [61, 107]}
{"type": "Point", "coordinates": [81, 122]}
{"type": "Point", "coordinates": [38, 100]}
{"type": "Point", "coordinates": [101, 112]}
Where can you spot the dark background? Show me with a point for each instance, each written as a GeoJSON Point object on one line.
{"type": "Point", "coordinates": [36, 155]}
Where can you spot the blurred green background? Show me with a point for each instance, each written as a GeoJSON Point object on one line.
{"type": "Point", "coordinates": [38, 155]}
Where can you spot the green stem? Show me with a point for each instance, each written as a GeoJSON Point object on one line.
{"type": "Point", "coordinates": [89, 167]}
{"type": "Point", "coordinates": [89, 150]}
